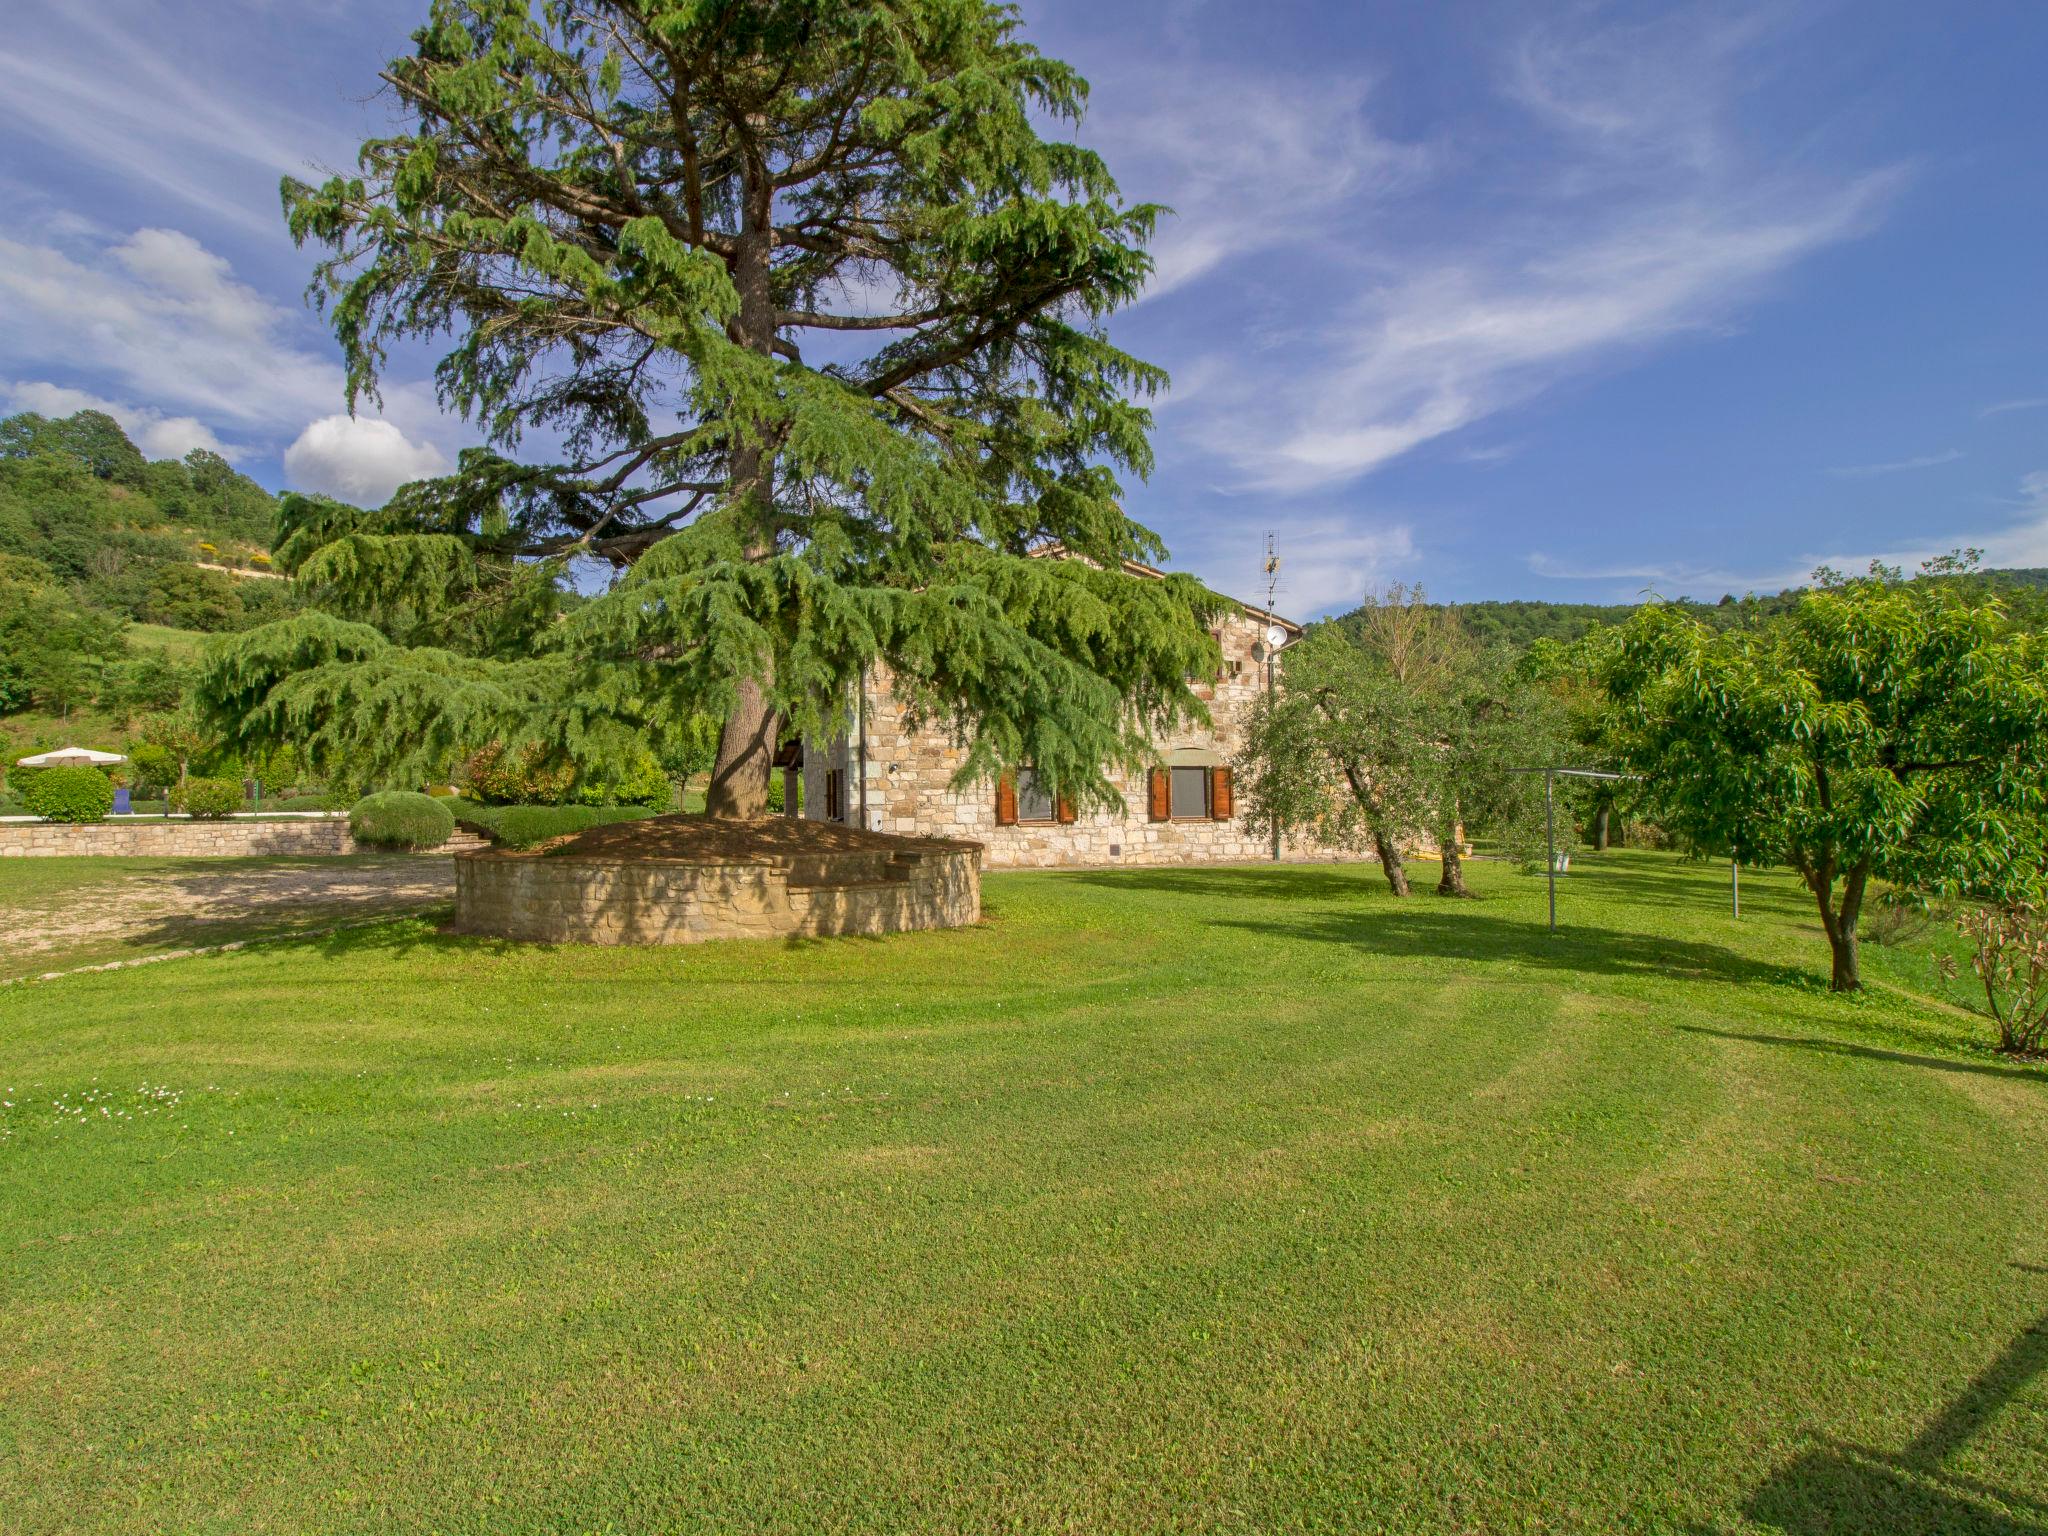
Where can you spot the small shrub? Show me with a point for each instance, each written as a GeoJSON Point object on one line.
{"type": "Point", "coordinates": [70, 794]}
{"type": "Point", "coordinates": [2009, 953]}
{"type": "Point", "coordinates": [155, 767]}
{"type": "Point", "coordinates": [207, 799]}
{"type": "Point", "coordinates": [643, 783]}
{"type": "Point", "coordinates": [400, 818]}
{"type": "Point", "coordinates": [1899, 919]}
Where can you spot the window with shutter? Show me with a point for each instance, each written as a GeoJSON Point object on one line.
{"type": "Point", "coordinates": [1158, 807]}
{"type": "Point", "coordinates": [1221, 798]}
{"type": "Point", "coordinates": [1034, 800]}
{"type": "Point", "coordinates": [1006, 801]}
{"type": "Point", "coordinates": [1190, 794]}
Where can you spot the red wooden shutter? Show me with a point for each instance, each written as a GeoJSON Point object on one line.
{"type": "Point", "coordinates": [1064, 808]}
{"type": "Point", "coordinates": [1220, 806]}
{"type": "Point", "coordinates": [1160, 796]}
{"type": "Point", "coordinates": [1006, 801]}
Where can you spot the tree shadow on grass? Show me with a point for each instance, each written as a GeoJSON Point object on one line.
{"type": "Point", "coordinates": [1268, 882]}
{"type": "Point", "coordinates": [1846, 1490]}
{"type": "Point", "coordinates": [1427, 927]}
{"type": "Point", "coordinates": [1874, 1053]}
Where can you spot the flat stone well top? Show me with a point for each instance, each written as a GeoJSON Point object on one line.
{"type": "Point", "coordinates": [701, 840]}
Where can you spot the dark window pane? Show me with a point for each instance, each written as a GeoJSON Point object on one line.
{"type": "Point", "coordinates": [1033, 803]}
{"type": "Point", "coordinates": [1190, 792]}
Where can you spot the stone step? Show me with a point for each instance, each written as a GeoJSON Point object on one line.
{"type": "Point", "coordinates": [887, 877]}
{"type": "Point", "coordinates": [463, 842]}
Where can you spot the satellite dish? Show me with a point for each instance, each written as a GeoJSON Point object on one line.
{"type": "Point", "coordinates": [1276, 637]}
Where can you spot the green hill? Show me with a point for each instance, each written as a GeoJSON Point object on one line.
{"type": "Point", "coordinates": [114, 569]}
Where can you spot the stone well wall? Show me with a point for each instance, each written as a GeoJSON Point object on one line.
{"type": "Point", "coordinates": [567, 898]}
{"type": "Point", "coordinates": [175, 839]}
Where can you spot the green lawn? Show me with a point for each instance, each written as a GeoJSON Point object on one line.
{"type": "Point", "coordinates": [179, 644]}
{"type": "Point", "coordinates": [1235, 1200]}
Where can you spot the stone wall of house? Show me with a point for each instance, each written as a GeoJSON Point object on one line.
{"type": "Point", "coordinates": [566, 899]}
{"type": "Point", "coordinates": [910, 788]}
{"type": "Point", "coordinates": [175, 839]}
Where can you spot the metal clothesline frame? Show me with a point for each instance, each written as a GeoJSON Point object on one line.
{"type": "Point", "coordinates": [1550, 778]}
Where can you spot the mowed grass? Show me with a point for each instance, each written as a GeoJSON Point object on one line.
{"type": "Point", "coordinates": [1231, 1200]}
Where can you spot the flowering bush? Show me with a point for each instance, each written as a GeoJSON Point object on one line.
{"type": "Point", "coordinates": [495, 776]}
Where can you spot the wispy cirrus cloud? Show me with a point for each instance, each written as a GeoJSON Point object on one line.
{"type": "Point", "coordinates": [82, 83]}
{"type": "Point", "coordinates": [1246, 163]}
{"type": "Point", "coordinates": [1897, 466]}
{"type": "Point", "coordinates": [1646, 220]}
{"type": "Point", "coordinates": [2005, 407]}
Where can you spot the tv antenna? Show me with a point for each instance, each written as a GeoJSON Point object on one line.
{"type": "Point", "coordinates": [1273, 639]}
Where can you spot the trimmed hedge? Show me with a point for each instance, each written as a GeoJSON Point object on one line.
{"type": "Point", "coordinates": [207, 799]}
{"type": "Point", "coordinates": [400, 818]}
{"type": "Point", "coordinates": [70, 794]}
{"type": "Point", "coordinates": [525, 826]}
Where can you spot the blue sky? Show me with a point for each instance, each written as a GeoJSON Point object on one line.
{"type": "Point", "coordinates": [1514, 300]}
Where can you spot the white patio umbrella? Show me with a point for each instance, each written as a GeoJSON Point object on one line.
{"type": "Point", "coordinates": [70, 757]}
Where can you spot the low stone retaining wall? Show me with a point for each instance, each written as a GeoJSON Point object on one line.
{"type": "Point", "coordinates": [174, 839]}
{"type": "Point", "coordinates": [567, 898]}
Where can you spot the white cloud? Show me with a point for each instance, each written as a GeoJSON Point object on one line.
{"type": "Point", "coordinates": [2002, 407]}
{"type": "Point", "coordinates": [166, 321]}
{"type": "Point", "coordinates": [157, 435]}
{"type": "Point", "coordinates": [1328, 560]}
{"type": "Point", "coordinates": [1924, 461]}
{"type": "Point", "coordinates": [1246, 164]}
{"type": "Point", "coordinates": [359, 459]}
{"type": "Point", "coordinates": [156, 318]}
{"type": "Point", "coordinates": [1641, 221]}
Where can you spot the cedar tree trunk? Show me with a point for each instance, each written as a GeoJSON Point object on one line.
{"type": "Point", "coordinates": [746, 744]}
{"type": "Point", "coordinates": [1600, 827]}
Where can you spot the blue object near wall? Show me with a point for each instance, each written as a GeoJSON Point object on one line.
{"type": "Point", "coordinates": [121, 803]}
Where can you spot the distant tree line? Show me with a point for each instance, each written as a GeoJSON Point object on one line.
{"type": "Point", "coordinates": [1521, 622]}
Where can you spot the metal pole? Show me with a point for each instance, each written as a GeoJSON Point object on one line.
{"type": "Point", "coordinates": [1735, 885]}
{"type": "Point", "coordinates": [861, 716]}
{"type": "Point", "coordinates": [1269, 711]}
{"type": "Point", "coordinates": [1550, 845]}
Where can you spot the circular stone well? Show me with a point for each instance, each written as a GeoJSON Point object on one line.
{"type": "Point", "coordinates": [679, 879]}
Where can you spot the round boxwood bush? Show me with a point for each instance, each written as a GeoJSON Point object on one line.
{"type": "Point", "coordinates": [70, 794]}
{"type": "Point", "coordinates": [398, 818]}
{"type": "Point", "coordinates": [207, 799]}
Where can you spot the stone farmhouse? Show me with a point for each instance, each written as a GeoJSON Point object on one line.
{"type": "Point", "coordinates": [885, 775]}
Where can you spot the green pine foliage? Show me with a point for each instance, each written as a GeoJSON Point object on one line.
{"type": "Point", "coordinates": [400, 818]}
{"type": "Point", "coordinates": [816, 306]}
{"type": "Point", "coordinates": [70, 794]}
